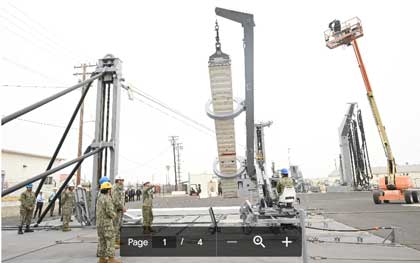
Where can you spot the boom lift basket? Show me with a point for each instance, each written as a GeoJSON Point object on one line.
{"type": "Point", "coordinates": [343, 33]}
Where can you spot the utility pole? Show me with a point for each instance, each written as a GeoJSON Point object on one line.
{"type": "Point", "coordinates": [179, 147]}
{"type": "Point", "coordinates": [173, 140]}
{"type": "Point", "coordinates": [168, 167]}
{"type": "Point", "coordinates": [83, 66]}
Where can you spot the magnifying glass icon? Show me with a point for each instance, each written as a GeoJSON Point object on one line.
{"type": "Point", "coordinates": [258, 241]}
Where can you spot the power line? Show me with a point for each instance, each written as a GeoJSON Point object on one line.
{"type": "Point", "coordinates": [28, 32]}
{"type": "Point", "coordinates": [146, 163]}
{"type": "Point", "coordinates": [173, 117]}
{"type": "Point", "coordinates": [207, 132]}
{"type": "Point", "coordinates": [27, 68]}
{"type": "Point", "coordinates": [156, 101]}
{"type": "Point", "coordinates": [45, 33]}
{"type": "Point", "coordinates": [85, 134]}
{"type": "Point", "coordinates": [32, 86]}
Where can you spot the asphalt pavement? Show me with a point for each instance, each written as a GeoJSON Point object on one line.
{"type": "Point", "coordinates": [357, 209]}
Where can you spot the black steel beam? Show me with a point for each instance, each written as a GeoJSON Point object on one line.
{"type": "Point", "coordinates": [62, 187]}
{"type": "Point", "coordinates": [63, 137]}
{"type": "Point", "coordinates": [38, 104]}
{"type": "Point", "coordinates": [46, 173]}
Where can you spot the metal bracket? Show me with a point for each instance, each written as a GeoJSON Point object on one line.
{"type": "Point", "coordinates": [226, 116]}
{"type": "Point", "coordinates": [102, 144]}
{"type": "Point", "coordinates": [228, 176]}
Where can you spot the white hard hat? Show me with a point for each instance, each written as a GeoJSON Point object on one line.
{"type": "Point", "coordinates": [79, 186]}
{"type": "Point", "coordinates": [118, 177]}
{"type": "Point", "coordinates": [70, 184]}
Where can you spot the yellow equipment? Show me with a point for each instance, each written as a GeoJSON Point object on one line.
{"type": "Point", "coordinates": [392, 186]}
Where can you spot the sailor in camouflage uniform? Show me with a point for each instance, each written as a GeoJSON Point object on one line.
{"type": "Point", "coordinates": [147, 207]}
{"type": "Point", "coordinates": [284, 182]}
{"type": "Point", "coordinates": [68, 202]}
{"type": "Point", "coordinates": [27, 203]}
{"type": "Point", "coordinates": [118, 199]}
{"type": "Point", "coordinates": [105, 216]}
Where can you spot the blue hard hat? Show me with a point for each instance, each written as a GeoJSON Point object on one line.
{"type": "Point", "coordinates": [29, 185]}
{"type": "Point", "coordinates": [103, 180]}
{"type": "Point", "coordinates": [284, 171]}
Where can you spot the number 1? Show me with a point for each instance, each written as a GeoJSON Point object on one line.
{"type": "Point", "coordinates": [164, 242]}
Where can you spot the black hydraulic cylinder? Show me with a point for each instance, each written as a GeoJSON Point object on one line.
{"type": "Point", "coordinates": [38, 104]}
{"type": "Point", "coordinates": [46, 173]}
{"type": "Point", "coordinates": [63, 137]}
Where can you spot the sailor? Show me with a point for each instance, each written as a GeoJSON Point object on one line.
{"type": "Point", "coordinates": [105, 216]}
{"type": "Point", "coordinates": [50, 199]}
{"type": "Point", "coordinates": [27, 203]}
{"type": "Point", "coordinates": [284, 181]}
{"type": "Point", "coordinates": [68, 203]}
{"type": "Point", "coordinates": [118, 199]}
{"type": "Point", "coordinates": [147, 207]}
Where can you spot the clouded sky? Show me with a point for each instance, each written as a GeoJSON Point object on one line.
{"type": "Point", "coordinates": [300, 85]}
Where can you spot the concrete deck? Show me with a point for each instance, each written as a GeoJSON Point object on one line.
{"type": "Point", "coordinates": [80, 244]}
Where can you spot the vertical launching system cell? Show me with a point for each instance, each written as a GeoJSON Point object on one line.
{"type": "Point", "coordinates": [222, 101]}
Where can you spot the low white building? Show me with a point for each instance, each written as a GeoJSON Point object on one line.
{"type": "Point", "coordinates": [412, 170]}
{"type": "Point", "coordinates": [18, 166]}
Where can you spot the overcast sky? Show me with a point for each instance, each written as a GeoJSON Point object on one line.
{"type": "Point", "coordinates": [300, 85]}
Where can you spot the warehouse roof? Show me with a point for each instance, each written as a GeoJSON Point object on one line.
{"type": "Point", "coordinates": [29, 154]}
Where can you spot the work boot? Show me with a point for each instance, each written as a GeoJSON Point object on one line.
{"type": "Point", "coordinates": [113, 260]}
{"type": "Point", "coordinates": [20, 232]}
{"type": "Point", "coordinates": [27, 229]}
{"type": "Point", "coordinates": [66, 229]}
{"type": "Point", "coordinates": [151, 229]}
{"type": "Point", "coordinates": [103, 260]}
{"type": "Point", "coordinates": [146, 230]}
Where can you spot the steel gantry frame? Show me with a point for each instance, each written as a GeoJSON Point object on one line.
{"type": "Point", "coordinates": [108, 74]}
{"type": "Point", "coordinates": [109, 88]}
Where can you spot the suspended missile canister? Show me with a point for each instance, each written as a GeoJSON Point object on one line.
{"type": "Point", "coordinates": [222, 102]}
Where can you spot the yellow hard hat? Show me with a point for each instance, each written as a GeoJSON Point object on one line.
{"type": "Point", "coordinates": [106, 185]}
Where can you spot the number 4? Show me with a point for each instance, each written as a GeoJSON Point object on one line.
{"type": "Point", "coordinates": [200, 242]}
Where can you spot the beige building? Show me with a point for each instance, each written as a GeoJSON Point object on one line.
{"type": "Point", "coordinates": [412, 170]}
{"type": "Point", "coordinates": [18, 166]}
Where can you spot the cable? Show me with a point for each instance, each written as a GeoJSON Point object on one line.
{"type": "Point", "coordinates": [74, 128]}
{"type": "Point", "coordinates": [144, 95]}
{"type": "Point", "coordinates": [173, 117]}
{"type": "Point", "coordinates": [149, 97]}
{"type": "Point", "coordinates": [45, 123]}
{"type": "Point", "coordinates": [146, 162]}
{"type": "Point", "coordinates": [25, 31]}
{"type": "Point", "coordinates": [32, 86]}
{"type": "Point", "coordinates": [27, 68]}
{"type": "Point", "coordinates": [52, 39]}
{"type": "Point", "coordinates": [161, 104]}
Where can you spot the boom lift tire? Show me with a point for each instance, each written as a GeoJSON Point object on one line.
{"type": "Point", "coordinates": [376, 195]}
{"type": "Point", "coordinates": [386, 201]}
{"type": "Point", "coordinates": [415, 196]}
{"type": "Point", "coordinates": [408, 196]}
